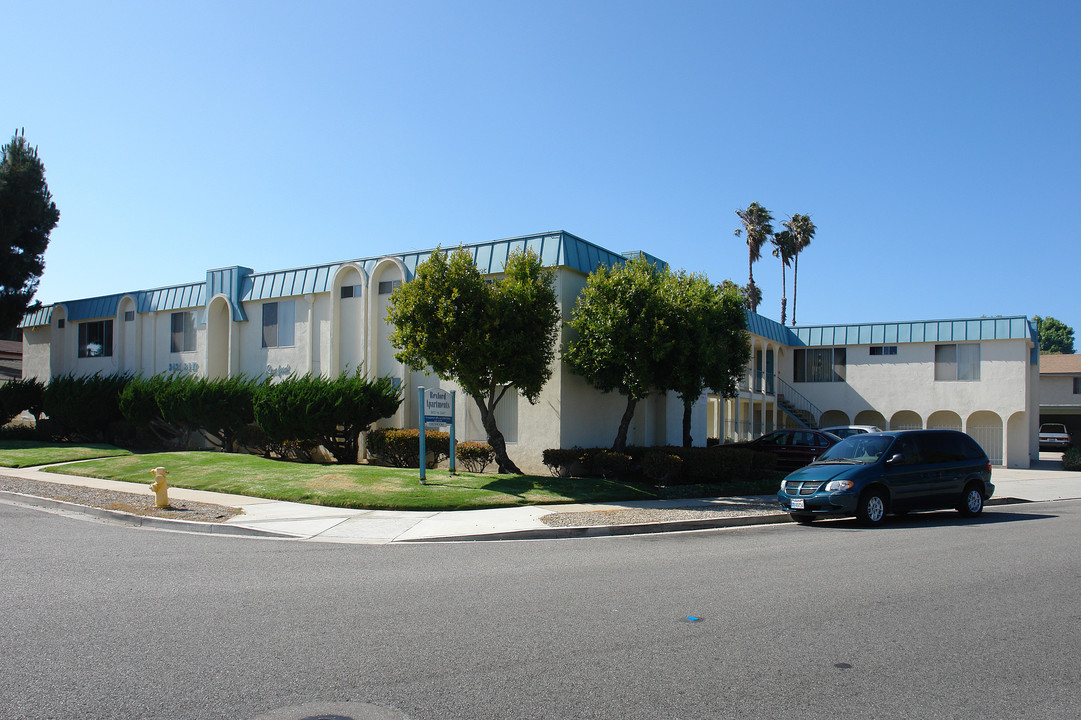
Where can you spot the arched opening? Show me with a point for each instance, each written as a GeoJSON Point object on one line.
{"type": "Point", "coordinates": [833, 418]}
{"type": "Point", "coordinates": [1018, 442]}
{"type": "Point", "coordinates": [944, 420]}
{"type": "Point", "coordinates": [218, 325]}
{"type": "Point", "coordinates": [906, 420]}
{"type": "Point", "coordinates": [870, 417]}
{"type": "Point", "coordinates": [349, 295]}
{"type": "Point", "coordinates": [125, 318]}
{"type": "Point", "coordinates": [985, 427]}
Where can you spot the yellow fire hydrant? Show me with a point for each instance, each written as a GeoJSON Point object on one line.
{"type": "Point", "coordinates": [160, 487]}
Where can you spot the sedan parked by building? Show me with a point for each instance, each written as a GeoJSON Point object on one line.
{"type": "Point", "coordinates": [793, 448]}
{"type": "Point", "coordinates": [843, 431]}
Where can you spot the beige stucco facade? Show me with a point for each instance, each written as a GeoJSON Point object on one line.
{"type": "Point", "coordinates": [330, 319]}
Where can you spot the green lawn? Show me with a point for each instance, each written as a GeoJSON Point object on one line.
{"type": "Point", "coordinates": [27, 453]}
{"type": "Point", "coordinates": [354, 486]}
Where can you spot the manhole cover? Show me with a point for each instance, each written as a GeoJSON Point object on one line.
{"type": "Point", "coordinates": [328, 710]}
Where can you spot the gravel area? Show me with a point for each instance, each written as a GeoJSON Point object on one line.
{"type": "Point", "coordinates": [633, 516]}
{"type": "Point", "coordinates": [134, 503]}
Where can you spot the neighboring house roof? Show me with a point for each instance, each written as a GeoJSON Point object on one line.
{"type": "Point", "coordinates": [1060, 364]}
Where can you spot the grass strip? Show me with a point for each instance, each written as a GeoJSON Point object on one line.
{"type": "Point", "coordinates": [28, 453]}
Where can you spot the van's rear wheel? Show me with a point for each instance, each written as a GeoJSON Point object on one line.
{"type": "Point", "coordinates": [872, 508]}
{"type": "Point", "coordinates": [971, 503]}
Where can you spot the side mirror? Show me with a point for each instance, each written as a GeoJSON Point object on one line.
{"type": "Point", "coordinates": [895, 459]}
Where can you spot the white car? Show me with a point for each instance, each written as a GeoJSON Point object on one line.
{"type": "Point", "coordinates": [843, 431]}
{"type": "Point", "coordinates": [1054, 436]}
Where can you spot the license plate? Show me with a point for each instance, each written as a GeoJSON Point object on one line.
{"type": "Point", "coordinates": [797, 504]}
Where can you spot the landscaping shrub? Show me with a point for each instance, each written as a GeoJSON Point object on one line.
{"type": "Point", "coordinates": [84, 407]}
{"type": "Point", "coordinates": [218, 409]}
{"type": "Point", "coordinates": [611, 465]}
{"type": "Point", "coordinates": [19, 395]}
{"type": "Point", "coordinates": [560, 461]}
{"type": "Point", "coordinates": [662, 467]}
{"type": "Point", "coordinates": [474, 456]}
{"type": "Point", "coordinates": [401, 448]}
{"type": "Point", "coordinates": [301, 413]}
{"type": "Point", "coordinates": [1071, 459]}
{"type": "Point", "coordinates": [139, 405]}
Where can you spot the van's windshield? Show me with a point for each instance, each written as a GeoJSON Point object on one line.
{"type": "Point", "coordinates": [861, 449]}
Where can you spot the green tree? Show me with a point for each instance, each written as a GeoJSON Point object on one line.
{"type": "Point", "coordinates": [803, 230]}
{"type": "Point", "coordinates": [1055, 335]}
{"type": "Point", "coordinates": [489, 337]}
{"type": "Point", "coordinates": [757, 227]}
{"type": "Point", "coordinates": [27, 216]}
{"type": "Point", "coordinates": [784, 247]}
{"type": "Point", "coordinates": [621, 343]}
{"type": "Point", "coordinates": [710, 347]}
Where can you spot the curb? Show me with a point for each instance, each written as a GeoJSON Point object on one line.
{"type": "Point", "coordinates": [132, 520]}
{"type": "Point", "coordinates": [587, 531]}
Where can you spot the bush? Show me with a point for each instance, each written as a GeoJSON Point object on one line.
{"type": "Point", "coordinates": [303, 413]}
{"type": "Point", "coordinates": [219, 409]}
{"type": "Point", "coordinates": [1071, 459]}
{"type": "Point", "coordinates": [139, 405]}
{"type": "Point", "coordinates": [662, 467]}
{"type": "Point", "coordinates": [560, 462]}
{"type": "Point", "coordinates": [19, 395]}
{"type": "Point", "coordinates": [611, 465]}
{"type": "Point", "coordinates": [475, 456]}
{"type": "Point", "coordinates": [85, 406]}
{"type": "Point", "coordinates": [401, 448]}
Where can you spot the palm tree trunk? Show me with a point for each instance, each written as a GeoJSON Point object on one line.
{"type": "Point", "coordinates": [784, 297]}
{"type": "Point", "coordinates": [795, 279]}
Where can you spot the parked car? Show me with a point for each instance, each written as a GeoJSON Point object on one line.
{"type": "Point", "coordinates": [870, 475]}
{"type": "Point", "coordinates": [793, 448]}
{"type": "Point", "coordinates": [1054, 436]}
{"type": "Point", "coordinates": [843, 431]}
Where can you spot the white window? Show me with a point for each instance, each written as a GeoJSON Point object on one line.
{"type": "Point", "coordinates": [96, 339]}
{"type": "Point", "coordinates": [278, 323]}
{"type": "Point", "coordinates": [957, 362]}
{"type": "Point", "coordinates": [182, 337]}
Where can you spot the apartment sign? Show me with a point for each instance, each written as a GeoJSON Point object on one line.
{"type": "Point", "coordinates": [437, 407]}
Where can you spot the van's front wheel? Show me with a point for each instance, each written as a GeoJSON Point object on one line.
{"type": "Point", "coordinates": [971, 503]}
{"type": "Point", "coordinates": [872, 508]}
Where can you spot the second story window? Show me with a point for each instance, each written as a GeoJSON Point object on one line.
{"type": "Point", "coordinates": [182, 336]}
{"type": "Point", "coordinates": [278, 322]}
{"type": "Point", "coordinates": [96, 339]}
{"type": "Point", "coordinates": [819, 364]}
{"type": "Point", "coordinates": [959, 361]}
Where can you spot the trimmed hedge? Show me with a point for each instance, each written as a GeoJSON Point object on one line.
{"type": "Point", "coordinates": [85, 406]}
{"type": "Point", "coordinates": [401, 448]}
{"type": "Point", "coordinates": [662, 465]}
{"type": "Point", "coordinates": [305, 412]}
{"type": "Point", "coordinates": [19, 395]}
{"type": "Point", "coordinates": [474, 456]}
{"type": "Point", "coordinates": [220, 409]}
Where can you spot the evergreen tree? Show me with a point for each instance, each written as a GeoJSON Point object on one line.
{"type": "Point", "coordinates": [27, 216]}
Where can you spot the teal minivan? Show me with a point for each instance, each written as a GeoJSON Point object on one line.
{"type": "Point", "coordinates": [874, 474]}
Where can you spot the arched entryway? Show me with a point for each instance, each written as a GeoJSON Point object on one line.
{"type": "Point", "coordinates": [833, 418]}
{"type": "Point", "coordinates": [870, 417]}
{"type": "Point", "coordinates": [944, 420]}
{"type": "Point", "coordinates": [986, 428]}
{"type": "Point", "coordinates": [906, 420]}
{"type": "Point", "coordinates": [218, 326]}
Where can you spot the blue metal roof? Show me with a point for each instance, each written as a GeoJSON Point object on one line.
{"type": "Point", "coordinates": [892, 333]}
{"type": "Point", "coordinates": [176, 297]}
{"type": "Point", "coordinates": [770, 329]}
{"type": "Point", "coordinates": [41, 316]}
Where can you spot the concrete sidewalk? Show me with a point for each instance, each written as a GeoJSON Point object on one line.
{"type": "Point", "coordinates": [1045, 481]}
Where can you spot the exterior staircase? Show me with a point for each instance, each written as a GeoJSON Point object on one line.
{"type": "Point", "coordinates": [797, 407]}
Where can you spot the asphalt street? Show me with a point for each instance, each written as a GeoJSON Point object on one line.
{"type": "Point", "coordinates": [929, 616]}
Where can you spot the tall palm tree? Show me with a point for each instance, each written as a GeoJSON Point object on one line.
{"type": "Point", "coordinates": [784, 247]}
{"type": "Point", "coordinates": [757, 224]}
{"type": "Point", "coordinates": [802, 230]}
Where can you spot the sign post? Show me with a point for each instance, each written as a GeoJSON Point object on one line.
{"type": "Point", "coordinates": [436, 407]}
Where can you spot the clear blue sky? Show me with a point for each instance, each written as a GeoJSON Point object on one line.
{"type": "Point", "coordinates": [934, 144]}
